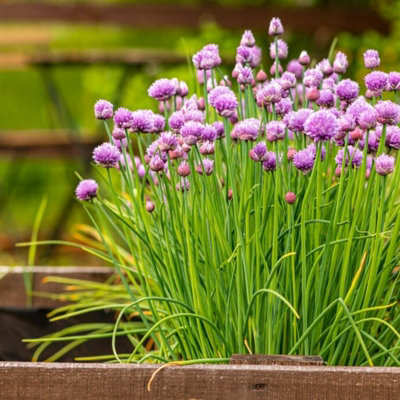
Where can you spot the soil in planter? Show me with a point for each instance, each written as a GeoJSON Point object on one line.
{"type": "Point", "coordinates": [18, 324]}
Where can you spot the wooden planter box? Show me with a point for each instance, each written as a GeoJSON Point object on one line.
{"type": "Point", "coordinates": [245, 378]}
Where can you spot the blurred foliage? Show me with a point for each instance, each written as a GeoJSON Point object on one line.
{"type": "Point", "coordinates": [24, 103]}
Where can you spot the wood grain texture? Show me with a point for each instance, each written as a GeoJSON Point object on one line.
{"type": "Point", "coordinates": [275, 359]}
{"type": "Point", "coordinates": [12, 289]}
{"type": "Point", "coordinates": [32, 381]}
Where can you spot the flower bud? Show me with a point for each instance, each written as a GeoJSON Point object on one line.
{"type": "Point", "coordinates": [291, 153]}
{"type": "Point", "coordinates": [201, 104]}
{"type": "Point", "coordinates": [290, 197]}
{"type": "Point", "coordinates": [357, 134]}
{"type": "Point", "coordinates": [261, 76]}
{"type": "Point", "coordinates": [150, 206]}
{"type": "Point", "coordinates": [313, 94]}
{"type": "Point", "coordinates": [304, 58]}
{"type": "Point", "coordinates": [183, 169]}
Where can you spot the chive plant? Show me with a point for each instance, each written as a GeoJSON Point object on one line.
{"type": "Point", "coordinates": [262, 217]}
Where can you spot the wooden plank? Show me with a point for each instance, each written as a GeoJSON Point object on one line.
{"type": "Point", "coordinates": [12, 289]}
{"type": "Point", "coordinates": [132, 57]}
{"type": "Point", "coordinates": [274, 359]}
{"type": "Point", "coordinates": [31, 381]}
{"type": "Point", "coordinates": [36, 143]}
{"type": "Point", "coordinates": [305, 19]}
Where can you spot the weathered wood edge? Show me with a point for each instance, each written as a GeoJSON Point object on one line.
{"type": "Point", "coordinates": [12, 289]}
{"type": "Point", "coordinates": [274, 359]}
{"type": "Point", "coordinates": [30, 381]}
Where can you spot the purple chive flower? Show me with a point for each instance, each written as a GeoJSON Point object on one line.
{"type": "Point", "coordinates": [353, 154]}
{"type": "Point", "coordinates": [123, 118]}
{"type": "Point", "coordinates": [167, 141]}
{"type": "Point", "coordinates": [176, 121]}
{"type": "Point", "coordinates": [106, 155]}
{"type": "Point", "coordinates": [326, 99]}
{"type": "Point", "coordinates": [297, 119]}
{"type": "Point", "coordinates": [394, 80]}
{"type": "Point", "coordinates": [313, 148]}
{"type": "Point", "coordinates": [295, 68]}
{"type": "Point", "coordinates": [271, 92]}
{"type": "Point", "coordinates": [193, 115]}
{"type": "Point", "coordinates": [209, 133]}
{"type": "Point", "coordinates": [206, 148]}
{"type": "Point", "coordinates": [200, 75]}
{"type": "Point", "coordinates": [158, 123]}
{"type": "Point", "coordinates": [287, 80]}
{"type": "Point", "coordinates": [384, 164]}
{"type": "Point", "coordinates": [269, 164]}
{"type": "Point", "coordinates": [376, 81]}
{"type": "Point", "coordinates": [256, 54]}
{"type": "Point", "coordinates": [190, 103]}
{"type": "Point", "coordinates": [321, 126]}
{"type": "Point", "coordinates": [388, 112]}
{"type": "Point", "coordinates": [182, 89]}
{"type": "Point", "coordinates": [275, 131]}
{"type": "Point", "coordinates": [156, 163]}
{"type": "Point", "coordinates": [183, 185]}
{"type": "Point", "coordinates": [191, 132]}
{"type": "Point", "coordinates": [259, 152]}
{"type": "Point", "coordinates": [223, 100]}
{"type": "Point", "coordinates": [347, 90]}
{"type": "Point", "coordinates": [142, 121]}
{"type": "Point", "coordinates": [275, 27]}
{"type": "Point", "coordinates": [247, 129]}
{"type": "Point", "coordinates": [356, 108]}
{"type": "Point", "coordinates": [121, 143]}
{"type": "Point", "coordinates": [373, 142]}
{"type": "Point", "coordinates": [304, 58]}
{"type": "Point", "coordinates": [152, 149]}
{"type": "Point", "coordinates": [368, 119]}
{"type": "Point", "coordinates": [312, 77]}
{"type": "Point", "coordinates": [340, 63]}
{"type": "Point", "coordinates": [282, 50]}
{"type": "Point", "coordinates": [244, 55]}
{"type": "Point", "coordinates": [118, 133]}
{"type": "Point", "coordinates": [247, 39]}
{"type": "Point", "coordinates": [393, 136]}
{"type": "Point", "coordinates": [208, 166]}
{"type": "Point", "coordinates": [162, 89]}
{"type": "Point", "coordinates": [207, 58]}
{"type": "Point", "coordinates": [127, 164]}
{"type": "Point", "coordinates": [103, 109]}
{"type": "Point", "coordinates": [216, 92]}
{"type": "Point", "coordinates": [328, 84]}
{"type": "Point", "coordinates": [245, 76]}
{"type": "Point", "coordinates": [304, 160]}
{"type": "Point", "coordinates": [176, 153]}
{"type": "Point", "coordinates": [236, 70]}
{"type": "Point", "coordinates": [220, 129]}
{"type": "Point", "coordinates": [273, 68]}
{"type": "Point", "coordinates": [283, 106]}
{"type": "Point", "coordinates": [325, 67]}
{"type": "Point", "coordinates": [371, 59]}
{"type": "Point", "coordinates": [86, 190]}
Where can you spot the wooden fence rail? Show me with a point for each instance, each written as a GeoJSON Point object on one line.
{"type": "Point", "coordinates": [305, 19]}
{"type": "Point", "coordinates": [32, 381]}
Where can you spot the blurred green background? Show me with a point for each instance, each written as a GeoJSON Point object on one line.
{"type": "Point", "coordinates": [32, 93]}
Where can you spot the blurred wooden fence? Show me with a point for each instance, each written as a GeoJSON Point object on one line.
{"type": "Point", "coordinates": [306, 19]}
